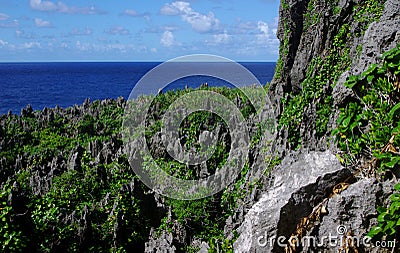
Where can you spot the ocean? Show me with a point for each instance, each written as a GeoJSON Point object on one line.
{"type": "Point", "coordinates": [68, 83]}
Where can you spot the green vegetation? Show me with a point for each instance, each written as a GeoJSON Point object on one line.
{"type": "Point", "coordinates": [388, 218]}
{"type": "Point", "coordinates": [204, 218]}
{"type": "Point", "coordinates": [311, 17]}
{"type": "Point", "coordinates": [283, 51]}
{"type": "Point", "coordinates": [369, 129]}
{"type": "Point", "coordinates": [284, 5]}
{"type": "Point", "coordinates": [97, 205]}
{"type": "Point", "coordinates": [366, 12]}
{"type": "Point", "coordinates": [90, 204]}
{"type": "Point", "coordinates": [83, 206]}
{"type": "Point", "coordinates": [322, 74]}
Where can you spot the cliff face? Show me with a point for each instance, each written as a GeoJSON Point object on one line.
{"type": "Point", "coordinates": [307, 30]}
{"type": "Point", "coordinates": [322, 44]}
{"type": "Point", "coordinates": [320, 40]}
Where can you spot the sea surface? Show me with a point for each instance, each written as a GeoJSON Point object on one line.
{"type": "Point", "coordinates": [69, 83]}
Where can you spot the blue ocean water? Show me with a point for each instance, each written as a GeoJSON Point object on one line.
{"type": "Point", "coordinates": [69, 83]}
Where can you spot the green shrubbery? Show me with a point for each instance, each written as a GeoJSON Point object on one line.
{"type": "Point", "coordinates": [84, 208]}
{"type": "Point", "coordinates": [388, 218]}
{"type": "Point", "coordinates": [323, 72]}
{"type": "Point", "coordinates": [204, 218]}
{"type": "Point", "coordinates": [52, 220]}
{"type": "Point", "coordinates": [368, 125]}
{"type": "Point", "coordinates": [368, 131]}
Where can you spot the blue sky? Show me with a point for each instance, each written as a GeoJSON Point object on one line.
{"type": "Point", "coordinates": [153, 30]}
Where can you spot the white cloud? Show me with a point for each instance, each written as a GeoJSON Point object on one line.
{"type": "Point", "coordinates": [167, 39]}
{"type": "Point", "coordinates": [130, 12]}
{"type": "Point", "coordinates": [3, 43]}
{"type": "Point", "coordinates": [134, 13]}
{"type": "Point", "coordinates": [84, 32]}
{"type": "Point", "coordinates": [7, 45]}
{"type": "Point", "coordinates": [222, 38]}
{"type": "Point", "coordinates": [82, 46]}
{"type": "Point", "coordinates": [49, 6]}
{"type": "Point", "coordinates": [169, 10]}
{"type": "Point", "coordinates": [199, 22]}
{"type": "Point", "coordinates": [103, 47]}
{"type": "Point", "coordinates": [263, 27]}
{"type": "Point", "coordinates": [30, 45]}
{"type": "Point", "coordinates": [160, 29]}
{"type": "Point", "coordinates": [118, 30]}
{"type": "Point", "coordinates": [43, 5]}
{"type": "Point", "coordinates": [22, 34]}
{"type": "Point", "coordinates": [10, 24]}
{"type": "Point", "coordinates": [120, 47]}
{"type": "Point", "coordinates": [42, 23]}
{"type": "Point", "coordinates": [64, 45]}
{"type": "Point", "coordinates": [169, 28]}
{"type": "Point", "coordinates": [266, 35]}
{"type": "Point", "coordinates": [263, 30]}
{"type": "Point", "coordinates": [3, 16]}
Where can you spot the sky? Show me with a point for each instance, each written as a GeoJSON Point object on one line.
{"type": "Point", "coordinates": [152, 30]}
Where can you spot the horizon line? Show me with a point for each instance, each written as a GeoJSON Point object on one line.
{"type": "Point", "coordinates": [124, 61]}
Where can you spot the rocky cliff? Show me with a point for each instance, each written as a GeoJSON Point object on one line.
{"type": "Point", "coordinates": [66, 183]}
{"type": "Point", "coordinates": [323, 43]}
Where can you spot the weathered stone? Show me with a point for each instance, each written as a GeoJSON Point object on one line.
{"type": "Point", "coordinates": [163, 244]}
{"type": "Point", "coordinates": [353, 211]}
{"type": "Point", "coordinates": [74, 160]}
{"type": "Point", "coordinates": [296, 189]}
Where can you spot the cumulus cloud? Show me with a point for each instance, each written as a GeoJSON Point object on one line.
{"type": "Point", "coordinates": [30, 45]}
{"type": "Point", "coordinates": [133, 13]}
{"type": "Point", "coordinates": [118, 30]}
{"type": "Point", "coordinates": [130, 12]}
{"type": "Point", "coordinates": [116, 47]}
{"type": "Point", "coordinates": [10, 24]}
{"type": "Point", "coordinates": [200, 22]}
{"type": "Point", "coordinates": [23, 35]}
{"type": "Point", "coordinates": [3, 43]}
{"type": "Point", "coordinates": [160, 29]}
{"type": "Point", "coordinates": [78, 32]}
{"type": "Point", "coordinates": [266, 35]}
{"type": "Point", "coordinates": [42, 5]}
{"type": "Point", "coordinates": [222, 38]}
{"type": "Point", "coordinates": [244, 27]}
{"type": "Point", "coordinates": [82, 46]}
{"type": "Point", "coordinates": [263, 28]}
{"type": "Point", "coordinates": [3, 16]}
{"type": "Point", "coordinates": [42, 23]}
{"type": "Point", "coordinates": [49, 6]}
{"type": "Point", "coordinates": [7, 45]}
{"type": "Point", "coordinates": [64, 45]}
{"type": "Point", "coordinates": [167, 39]}
{"type": "Point", "coordinates": [171, 9]}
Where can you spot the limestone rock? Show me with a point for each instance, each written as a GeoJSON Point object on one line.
{"type": "Point", "coordinates": [296, 189]}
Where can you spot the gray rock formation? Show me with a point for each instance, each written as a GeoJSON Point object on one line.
{"type": "Point", "coordinates": [292, 191]}
{"type": "Point", "coordinates": [296, 189]}
{"type": "Point", "coordinates": [160, 244]}
{"type": "Point", "coordinates": [353, 211]}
